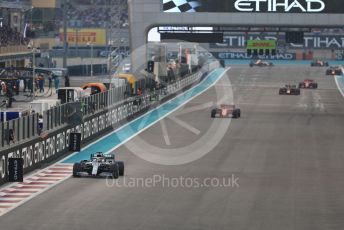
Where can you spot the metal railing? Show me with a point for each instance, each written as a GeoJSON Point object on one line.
{"type": "Point", "coordinates": [175, 87]}
{"type": "Point", "coordinates": [59, 116]}
{"type": "Point", "coordinates": [21, 129]}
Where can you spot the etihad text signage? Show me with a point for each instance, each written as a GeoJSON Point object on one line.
{"type": "Point", "coordinates": [310, 41]}
{"type": "Point", "coordinates": [255, 6]}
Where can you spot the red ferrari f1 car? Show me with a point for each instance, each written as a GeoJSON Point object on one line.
{"type": "Point", "coordinates": [308, 84]}
{"type": "Point", "coordinates": [226, 111]}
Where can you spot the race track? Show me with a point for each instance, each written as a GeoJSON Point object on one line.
{"type": "Point", "coordinates": [286, 151]}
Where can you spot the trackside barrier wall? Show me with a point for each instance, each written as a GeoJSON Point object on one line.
{"type": "Point", "coordinates": [107, 116]}
{"type": "Point", "coordinates": [21, 129]}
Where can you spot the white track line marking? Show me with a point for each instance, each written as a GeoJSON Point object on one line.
{"type": "Point", "coordinates": [336, 78]}
{"type": "Point", "coordinates": [165, 133]}
{"type": "Point", "coordinates": [195, 108]}
{"type": "Point", "coordinates": [185, 125]}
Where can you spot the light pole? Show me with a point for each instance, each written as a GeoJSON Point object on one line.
{"type": "Point", "coordinates": [65, 44]}
{"type": "Point", "coordinates": [109, 70]}
{"type": "Point", "coordinates": [76, 40]}
{"type": "Point", "coordinates": [33, 71]}
{"type": "Point", "coordinates": [91, 44]}
{"type": "Point", "coordinates": [33, 50]}
{"type": "Point", "coordinates": [24, 19]}
{"type": "Point", "coordinates": [108, 35]}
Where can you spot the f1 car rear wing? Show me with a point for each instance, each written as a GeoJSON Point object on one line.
{"type": "Point", "coordinates": [101, 155]}
{"type": "Point", "coordinates": [109, 156]}
{"type": "Point", "coordinates": [223, 106]}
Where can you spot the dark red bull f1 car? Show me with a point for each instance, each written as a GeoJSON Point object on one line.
{"type": "Point", "coordinates": [226, 111]}
{"type": "Point", "coordinates": [289, 90]}
{"type": "Point", "coordinates": [334, 70]}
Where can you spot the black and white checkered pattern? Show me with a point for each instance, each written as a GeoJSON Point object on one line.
{"type": "Point", "coordinates": [181, 5]}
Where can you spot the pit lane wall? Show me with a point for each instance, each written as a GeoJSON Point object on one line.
{"type": "Point", "coordinates": [41, 151]}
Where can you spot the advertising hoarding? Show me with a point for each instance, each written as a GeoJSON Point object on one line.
{"type": "Point", "coordinates": [254, 6]}
{"type": "Point", "coordinates": [311, 41]}
{"type": "Point", "coordinates": [85, 36]}
{"type": "Point", "coordinates": [261, 44]}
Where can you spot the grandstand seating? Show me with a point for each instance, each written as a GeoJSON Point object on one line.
{"type": "Point", "coordinates": [10, 37]}
{"type": "Point", "coordinates": [95, 13]}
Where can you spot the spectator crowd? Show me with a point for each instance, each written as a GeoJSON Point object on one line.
{"type": "Point", "coordinates": [96, 13]}
{"type": "Point", "coordinates": [9, 36]}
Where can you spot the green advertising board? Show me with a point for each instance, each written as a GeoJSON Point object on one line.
{"type": "Point", "coordinates": [261, 44]}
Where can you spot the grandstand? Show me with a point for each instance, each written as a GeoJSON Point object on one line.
{"type": "Point", "coordinates": [95, 14]}
{"type": "Point", "coordinates": [41, 25]}
{"type": "Point", "coordinates": [109, 15]}
{"type": "Point", "coordinates": [15, 3]}
{"type": "Point", "coordinates": [11, 37]}
{"type": "Point", "coordinates": [13, 43]}
{"type": "Point", "coordinates": [11, 26]}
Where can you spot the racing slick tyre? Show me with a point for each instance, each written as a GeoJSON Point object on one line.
{"type": "Point", "coordinates": [76, 169]}
{"type": "Point", "coordinates": [236, 113]}
{"type": "Point", "coordinates": [297, 92]}
{"type": "Point", "coordinates": [301, 85]}
{"type": "Point", "coordinates": [239, 113]}
{"type": "Point", "coordinates": [315, 85]}
{"type": "Point", "coordinates": [120, 168]}
{"type": "Point", "coordinates": [114, 171]}
{"type": "Point", "coordinates": [213, 113]}
{"type": "Point", "coordinates": [281, 92]}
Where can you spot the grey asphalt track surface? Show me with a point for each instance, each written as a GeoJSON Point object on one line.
{"type": "Point", "coordinates": [287, 151]}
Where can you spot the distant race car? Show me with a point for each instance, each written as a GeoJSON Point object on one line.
{"type": "Point", "coordinates": [98, 164]}
{"type": "Point", "coordinates": [226, 111]}
{"type": "Point", "coordinates": [319, 62]}
{"type": "Point", "coordinates": [308, 84]}
{"type": "Point", "coordinates": [289, 90]}
{"type": "Point", "coordinates": [261, 63]}
{"type": "Point", "coordinates": [334, 70]}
